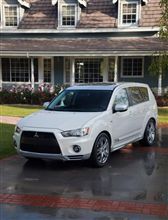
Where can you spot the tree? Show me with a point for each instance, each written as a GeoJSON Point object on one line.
{"type": "Point", "coordinates": [159, 65]}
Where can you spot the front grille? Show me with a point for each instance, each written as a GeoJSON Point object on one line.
{"type": "Point", "coordinates": [39, 142]}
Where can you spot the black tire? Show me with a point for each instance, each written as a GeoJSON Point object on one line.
{"type": "Point", "coordinates": [101, 151]}
{"type": "Point", "coordinates": [149, 134]}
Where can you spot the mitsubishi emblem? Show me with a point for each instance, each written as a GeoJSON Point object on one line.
{"type": "Point", "coordinates": [36, 135]}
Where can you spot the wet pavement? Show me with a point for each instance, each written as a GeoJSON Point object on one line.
{"type": "Point", "coordinates": [134, 186]}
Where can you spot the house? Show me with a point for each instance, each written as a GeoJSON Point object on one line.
{"type": "Point", "coordinates": [78, 41]}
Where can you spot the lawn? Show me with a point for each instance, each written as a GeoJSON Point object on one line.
{"type": "Point", "coordinates": [23, 110]}
{"type": "Point", "coordinates": [163, 115]}
{"type": "Point", "coordinates": [18, 110]}
{"type": "Point", "coordinates": [6, 141]}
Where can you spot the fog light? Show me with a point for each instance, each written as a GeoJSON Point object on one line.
{"type": "Point", "coordinates": [76, 148]}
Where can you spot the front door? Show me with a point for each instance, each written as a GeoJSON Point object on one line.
{"type": "Point", "coordinates": [122, 126]}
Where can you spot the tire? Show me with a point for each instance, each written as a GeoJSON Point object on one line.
{"type": "Point", "coordinates": [101, 151]}
{"type": "Point", "coordinates": [149, 134]}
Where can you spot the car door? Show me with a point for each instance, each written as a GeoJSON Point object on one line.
{"type": "Point", "coordinates": [137, 109]}
{"type": "Point", "coordinates": [122, 126]}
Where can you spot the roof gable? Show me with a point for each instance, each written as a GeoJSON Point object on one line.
{"type": "Point", "coordinates": [98, 14]}
{"type": "Point", "coordinates": [82, 2]}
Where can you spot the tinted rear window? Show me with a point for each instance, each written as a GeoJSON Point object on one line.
{"type": "Point", "coordinates": [138, 95]}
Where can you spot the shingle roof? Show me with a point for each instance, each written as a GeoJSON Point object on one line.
{"type": "Point", "coordinates": [41, 15]}
{"type": "Point", "coordinates": [85, 46]}
{"type": "Point", "coordinates": [97, 14]}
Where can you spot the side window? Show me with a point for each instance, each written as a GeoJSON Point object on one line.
{"type": "Point", "coordinates": [135, 95]}
{"type": "Point", "coordinates": [144, 93]}
{"type": "Point", "coordinates": [121, 98]}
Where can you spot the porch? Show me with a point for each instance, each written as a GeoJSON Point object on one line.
{"type": "Point", "coordinates": [74, 61]}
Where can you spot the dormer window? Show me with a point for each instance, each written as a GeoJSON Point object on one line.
{"type": "Point", "coordinates": [68, 15]}
{"type": "Point", "coordinates": [10, 15]}
{"type": "Point", "coordinates": [128, 13]}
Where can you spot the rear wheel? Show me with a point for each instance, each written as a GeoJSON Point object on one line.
{"type": "Point", "coordinates": [149, 134]}
{"type": "Point", "coordinates": [101, 150]}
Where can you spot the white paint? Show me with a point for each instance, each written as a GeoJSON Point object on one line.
{"type": "Point", "coordinates": [41, 70]}
{"type": "Point", "coordinates": [32, 73]}
{"type": "Point", "coordinates": [82, 2]}
{"type": "Point", "coordinates": [72, 73]}
{"type": "Point", "coordinates": [24, 3]}
{"type": "Point", "coordinates": [160, 85]}
{"type": "Point", "coordinates": [115, 1]}
{"type": "Point", "coordinates": [120, 126]}
{"type": "Point", "coordinates": [116, 69]}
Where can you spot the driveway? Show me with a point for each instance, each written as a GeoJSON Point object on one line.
{"type": "Point", "coordinates": [134, 186]}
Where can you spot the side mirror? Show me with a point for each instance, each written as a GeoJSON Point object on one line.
{"type": "Point", "coordinates": [120, 108]}
{"type": "Point", "coordinates": [46, 104]}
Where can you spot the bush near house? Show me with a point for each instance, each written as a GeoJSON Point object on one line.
{"type": "Point", "coordinates": [26, 95]}
{"type": "Point", "coordinates": [45, 92]}
{"type": "Point", "coordinates": [162, 100]}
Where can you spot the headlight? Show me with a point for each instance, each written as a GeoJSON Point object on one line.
{"type": "Point", "coordinates": [17, 130]}
{"type": "Point", "coordinates": [76, 133]}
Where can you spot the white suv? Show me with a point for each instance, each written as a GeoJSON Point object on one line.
{"type": "Point", "coordinates": [89, 122]}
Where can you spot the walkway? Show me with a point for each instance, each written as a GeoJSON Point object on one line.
{"type": "Point", "coordinates": [9, 119]}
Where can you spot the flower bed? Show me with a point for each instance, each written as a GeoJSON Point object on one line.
{"type": "Point", "coordinates": [26, 95]}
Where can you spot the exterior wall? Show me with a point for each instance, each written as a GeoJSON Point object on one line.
{"type": "Point", "coordinates": [145, 79]}
{"type": "Point", "coordinates": [148, 78]}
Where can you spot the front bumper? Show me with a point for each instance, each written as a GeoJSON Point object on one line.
{"type": "Point", "coordinates": [66, 147]}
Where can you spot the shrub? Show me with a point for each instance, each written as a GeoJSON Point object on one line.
{"type": "Point", "coordinates": [26, 95]}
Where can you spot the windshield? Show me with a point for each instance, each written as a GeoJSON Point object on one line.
{"type": "Point", "coordinates": [81, 101]}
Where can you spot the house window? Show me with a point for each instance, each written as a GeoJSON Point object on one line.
{"type": "Point", "coordinates": [68, 17]}
{"type": "Point", "coordinates": [129, 13]}
{"type": "Point", "coordinates": [88, 70]}
{"type": "Point", "coordinates": [11, 16]}
{"type": "Point", "coordinates": [132, 67]}
{"type": "Point", "coordinates": [47, 70]}
{"type": "Point", "coordinates": [18, 70]}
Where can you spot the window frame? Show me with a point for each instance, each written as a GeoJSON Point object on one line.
{"type": "Point", "coordinates": [120, 13]}
{"type": "Point", "coordinates": [4, 17]}
{"type": "Point", "coordinates": [51, 77]}
{"type": "Point", "coordinates": [10, 72]}
{"type": "Point", "coordinates": [61, 15]}
{"type": "Point", "coordinates": [114, 100]}
{"type": "Point", "coordinates": [132, 76]}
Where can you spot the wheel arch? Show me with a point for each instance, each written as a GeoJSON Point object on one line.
{"type": "Point", "coordinates": [109, 136]}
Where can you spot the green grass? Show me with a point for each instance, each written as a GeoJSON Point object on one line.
{"type": "Point", "coordinates": [23, 110]}
{"type": "Point", "coordinates": [6, 141]}
{"type": "Point", "coordinates": [163, 115]}
{"type": "Point", "coordinates": [18, 110]}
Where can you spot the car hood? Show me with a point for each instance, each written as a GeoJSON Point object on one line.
{"type": "Point", "coordinates": [57, 120]}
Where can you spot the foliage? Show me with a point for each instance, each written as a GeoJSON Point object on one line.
{"type": "Point", "coordinates": [159, 63]}
{"type": "Point", "coordinates": [24, 94]}
{"type": "Point", "coordinates": [164, 20]}
{"type": "Point", "coordinates": [162, 100]}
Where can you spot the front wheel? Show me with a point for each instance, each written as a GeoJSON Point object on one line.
{"type": "Point", "coordinates": [101, 150]}
{"type": "Point", "coordinates": [149, 134]}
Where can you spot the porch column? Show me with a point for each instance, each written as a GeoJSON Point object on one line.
{"type": "Point", "coordinates": [0, 74]}
{"type": "Point", "coordinates": [116, 69]}
{"type": "Point", "coordinates": [72, 73]}
{"type": "Point", "coordinates": [105, 69]}
{"type": "Point", "coordinates": [32, 73]}
{"type": "Point", "coordinates": [41, 71]}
